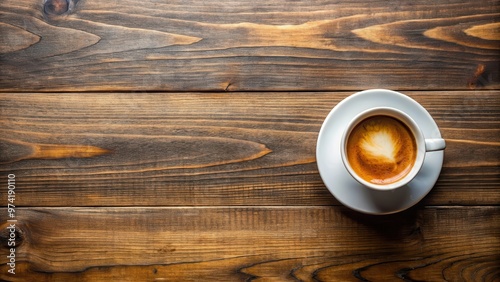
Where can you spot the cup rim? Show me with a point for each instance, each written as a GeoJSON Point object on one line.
{"type": "Point", "coordinates": [409, 122]}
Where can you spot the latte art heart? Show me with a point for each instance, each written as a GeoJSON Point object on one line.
{"type": "Point", "coordinates": [381, 145]}
{"type": "Point", "coordinates": [381, 149]}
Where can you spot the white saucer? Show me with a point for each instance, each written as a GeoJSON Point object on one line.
{"type": "Point", "coordinates": [340, 183]}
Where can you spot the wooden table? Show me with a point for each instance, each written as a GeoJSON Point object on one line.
{"type": "Point", "coordinates": [175, 140]}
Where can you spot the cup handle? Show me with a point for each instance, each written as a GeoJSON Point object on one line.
{"type": "Point", "coordinates": [435, 144]}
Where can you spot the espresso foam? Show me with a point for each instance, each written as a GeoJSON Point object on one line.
{"type": "Point", "coordinates": [380, 145]}
{"type": "Point", "coordinates": [381, 150]}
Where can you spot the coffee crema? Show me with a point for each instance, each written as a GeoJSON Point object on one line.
{"type": "Point", "coordinates": [381, 149]}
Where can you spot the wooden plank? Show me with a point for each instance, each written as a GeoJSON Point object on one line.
{"type": "Point", "coordinates": [258, 244]}
{"type": "Point", "coordinates": [242, 45]}
{"type": "Point", "coordinates": [116, 149]}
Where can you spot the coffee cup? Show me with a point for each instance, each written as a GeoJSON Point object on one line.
{"type": "Point", "coordinates": [383, 148]}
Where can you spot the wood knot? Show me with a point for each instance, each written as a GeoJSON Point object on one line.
{"type": "Point", "coordinates": [11, 235]}
{"type": "Point", "coordinates": [483, 75]}
{"type": "Point", "coordinates": [56, 7]}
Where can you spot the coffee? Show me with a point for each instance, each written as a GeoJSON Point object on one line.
{"type": "Point", "coordinates": [381, 149]}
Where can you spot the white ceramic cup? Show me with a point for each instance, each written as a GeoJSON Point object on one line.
{"type": "Point", "coordinates": [423, 145]}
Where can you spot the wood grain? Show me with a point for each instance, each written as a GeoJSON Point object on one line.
{"type": "Point", "coordinates": [185, 149]}
{"type": "Point", "coordinates": [247, 45]}
{"type": "Point", "coordinates": [156, 140]}
{"type": "Point", "coordinates": [255, 244]}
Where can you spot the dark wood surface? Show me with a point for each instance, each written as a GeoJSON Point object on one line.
{"type": "Point", "coordinates": [240, 45]}
{"type": "Point", "coordinates": [175, 140]}
{"type": "Point", "coordinates": [204, 149]}
{"type": "Point", "coordinates": [309, 243]}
